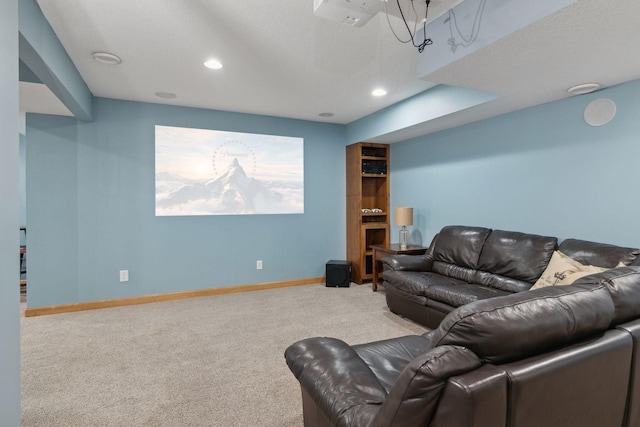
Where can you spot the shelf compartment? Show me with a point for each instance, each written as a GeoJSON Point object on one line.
{"type": "Point", "coordinates": [373, 152]}
{"type": "Point", "coordinates": [368, 267]}
{"type": "Point", "coordinates": [374, 167]}
{"type": "Point", "coordinates": [374, 218]}
{"type": "Point", "coordinates": [375, 234]}
{"type": "Point", "coordinates": [375, 193]}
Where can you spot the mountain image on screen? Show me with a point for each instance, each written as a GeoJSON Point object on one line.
{"type": "Point", "coordinates": [233, 192]}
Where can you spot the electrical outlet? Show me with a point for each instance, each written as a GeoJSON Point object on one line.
{"type": "Point", "coordinates": [259, 264]}
{"type": "Point", "coordinates": [124, 275]}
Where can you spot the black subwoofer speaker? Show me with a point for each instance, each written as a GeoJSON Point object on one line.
{"type": "Point", "coordinates": [338, 273]}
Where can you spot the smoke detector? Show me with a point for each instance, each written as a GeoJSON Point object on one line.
{"type": "Point", "coordinates": [354, 13]}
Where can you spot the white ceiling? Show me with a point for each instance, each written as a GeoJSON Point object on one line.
{"type": "Point", "coordinates": [281, 60]}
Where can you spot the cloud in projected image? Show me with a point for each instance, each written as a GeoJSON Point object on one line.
{"type": "Point", "coordinates": [207, 172]}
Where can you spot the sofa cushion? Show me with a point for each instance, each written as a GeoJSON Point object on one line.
{"type": "Point", "coordinates": [416, 283]}
{"type": "Point", "coordinates": [460, 245]}
{"type": "Point", "coordinates": [407, 297]}
{"type": "Point", "coordinates": [500, 282]}
{"type": "Point", "coordinates": [516, 255]}
{"type": "Point", "coordinates": [624, 285]}
{"type": "Point", "coordinates": [598, 254]}
{"type": "Point", "coordinates": [455, 271]}
{"type": "Point", "coordinates": [388, 358]}
{"type": "Point", "coordinates": [527, 323]}
{"type": "Point", "coordinates": [462, 293]}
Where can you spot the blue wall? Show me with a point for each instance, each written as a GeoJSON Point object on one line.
{"type": "Point", "coordinates": [91, 202]}
{"type": "Point", "coordinates": [23, 182]}
{"type": "Point", "coordinates": [9, 218]}
{"type": "Point", "coordinates": [90, 205]}
{"type": "Point", "coordinates": [541, 170]}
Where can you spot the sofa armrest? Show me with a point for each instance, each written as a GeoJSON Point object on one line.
{"type": "Point", "coordinates": [413, 399]}
{"type": "Point", "coordinates": [405, 262]}
{"type": "Point", "coordinates": [337, 379]}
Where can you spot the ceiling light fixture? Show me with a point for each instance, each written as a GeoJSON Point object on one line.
{"type": "Point", "coordinates": [106, 58]}
{"type": "Point", "coordinates": [584, 88]}
{"type": "Point", "coordinates": [213, 64]}
{"type": "Point", "coordinates": [327, 114]}
{"type": "Point", "coordinates": [166, 95]}
{"type": "Point", "coordinates": [379, 92]}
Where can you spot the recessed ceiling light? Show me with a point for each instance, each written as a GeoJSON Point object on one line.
{"type": "Point", "coordinates": [379, 92]}
{"type": "Point", "coordinates": [106, 58]}
{"type": "Point", "coordinates": [214, 64]}
{"type": "Point", "coordinates": [584, 88]}
{"type": "Point", "coordinates": [326, 114]}
{"type": "Point", "coordinates": [166, 95]}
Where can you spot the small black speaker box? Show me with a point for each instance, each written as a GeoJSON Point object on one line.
{"type": "Point", "coordinates": [338, 274]}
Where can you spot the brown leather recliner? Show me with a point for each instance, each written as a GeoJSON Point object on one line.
{"type": "Point", "coordinates": [557, 356]}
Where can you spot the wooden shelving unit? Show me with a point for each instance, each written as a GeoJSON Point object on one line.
{"type": "Point", "coordinates": [367, 188]}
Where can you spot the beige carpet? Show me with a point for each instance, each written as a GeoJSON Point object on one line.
{"type": "Point", "coordinates": [215, 361]}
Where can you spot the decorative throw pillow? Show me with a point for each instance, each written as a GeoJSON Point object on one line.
{"type": "Point", "coordinates": [563, 270]}
{"type": "Point", "coordinates": [585, 271]}
{"type": "Point", "coordinates": [559, 268]}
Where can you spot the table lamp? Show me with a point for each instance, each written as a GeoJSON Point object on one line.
{"type": "Point", "coordinates": [404, 217]}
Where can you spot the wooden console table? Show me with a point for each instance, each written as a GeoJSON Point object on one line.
{"type": "Point", "coordinates": [381, 251]}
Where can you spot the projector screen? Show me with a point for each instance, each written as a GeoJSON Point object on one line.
{"type": "Point", "coordinates": [211, 172]}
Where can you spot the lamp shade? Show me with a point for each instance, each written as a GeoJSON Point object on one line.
{"type": "Point", "coordinates": [404, 216]}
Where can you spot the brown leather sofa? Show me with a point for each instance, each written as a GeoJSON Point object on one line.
{"type": "Point", "coordinates": [466, 264]}
{"type": "Point", "coordinates": [557, 356]}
